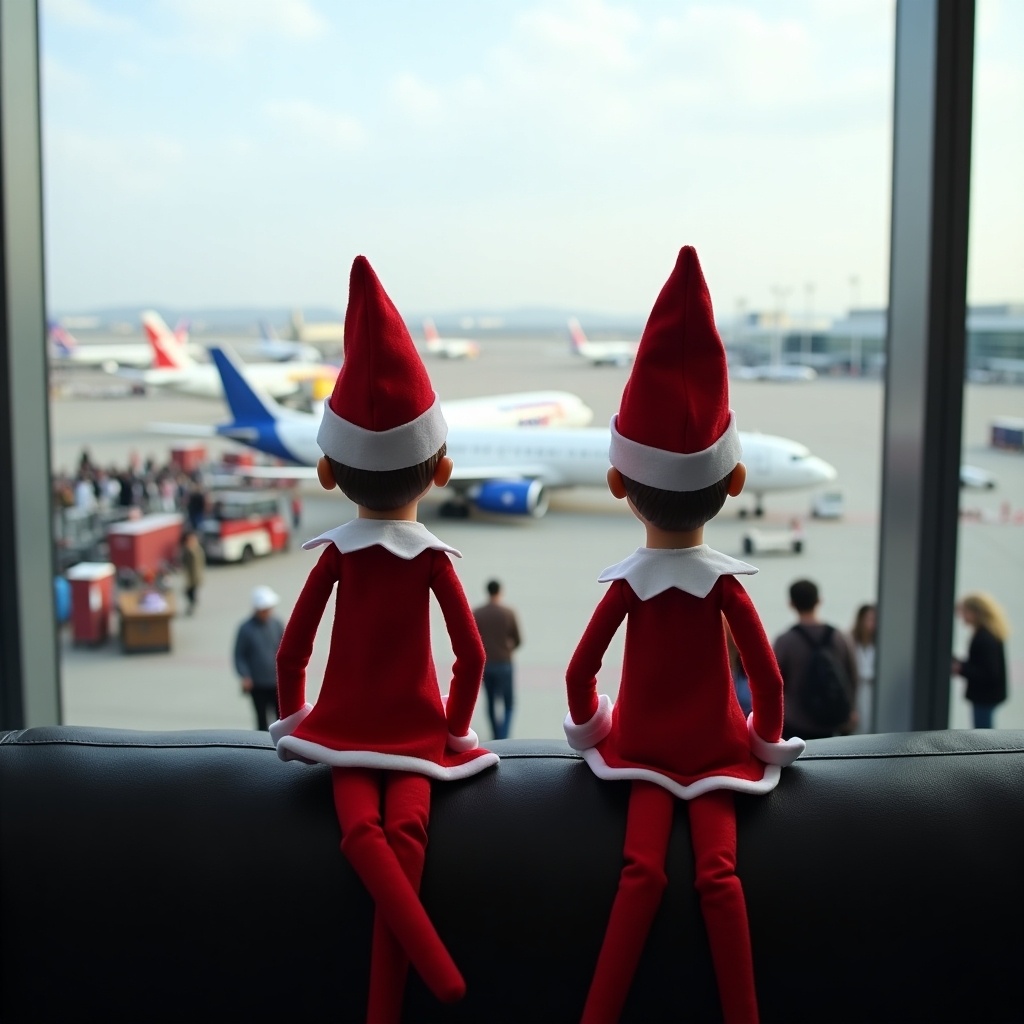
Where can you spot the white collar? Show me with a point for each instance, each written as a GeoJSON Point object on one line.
{"type": "Point", "coordinates": [401, 537]}
{"type": "Point", "coordinates": [695, 570]}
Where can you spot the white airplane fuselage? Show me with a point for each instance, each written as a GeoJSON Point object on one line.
{"type": "Point", "coordinates": [578, 457]}
{"type": "Point", "coordinates": [608, 353]}
{"type": "Point", "coordinates": [452, 348]}
{"type": "Point", "coordinates": [136, 355]}
{"type": "Point", "coordinates": [277, 379]}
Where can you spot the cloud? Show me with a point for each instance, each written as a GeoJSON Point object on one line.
{"type": "Point", "coordinates": [84, 14]}
{"type": "Point", "coordinates": [324, 127]}
{"type": "Point", "coordinates": [588, 73]}
{"type": "Point", "coordinates": [416, 98]}
{"type": "Point", "coordinates": [589, 32]}
{"type": "Point", "coordinates": [225, 27]}
{"type": "Point", "coordinates": [56, 77]}
{"type": "Point", "coordinates": [138, 167]}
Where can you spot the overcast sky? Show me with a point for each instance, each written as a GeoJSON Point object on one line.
{"type": "Point", "coordinates": [224, 153]}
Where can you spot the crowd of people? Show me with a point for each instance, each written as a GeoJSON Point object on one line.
{"type": "Point", "coordinates": [850, 665]}
{"type": "Point", "coordinates": [143, 485]}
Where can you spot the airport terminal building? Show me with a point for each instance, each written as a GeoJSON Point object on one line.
{"type": "Point", "coordinates": [855, 343]}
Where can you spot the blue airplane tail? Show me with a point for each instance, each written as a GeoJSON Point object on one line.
{"type": "Point", "coordinates": [247, 405]}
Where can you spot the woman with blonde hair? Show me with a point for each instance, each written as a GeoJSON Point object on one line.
{"type": "Point", "coordinates": [984, 668]}
{"type": "Point", "coordinates": [863, 637]}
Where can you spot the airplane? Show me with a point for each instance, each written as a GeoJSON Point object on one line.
{"type": "Point", "coordinates": [276, 349]}
{"type": "Point", "coordinates": [66, 350]}
{"type": "Point", "coordinates": [508, 470]}
{"type": "Point", "coordinates": [327, 333]}
{"type": "Point", "coordinates": [175, 370]}
{"type": "Point", "coordinates": [786, 372]}
{"type": "Point", "coordinates": [612, 352]}
{"type": "Point", "coordinates": [448, 348]}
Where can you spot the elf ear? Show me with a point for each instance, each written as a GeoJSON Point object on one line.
{"type": "Point", "coordinates": [616, 484]}
{"type": "Point", "coordinates": [443, 472]}
{"type": "Point", "coordinates": [737, 478]}
{"type": "Point", "coordinates": [325, 474]}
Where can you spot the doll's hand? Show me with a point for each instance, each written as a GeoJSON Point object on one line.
{"type": "Point", "coordinates": [460, 743]}
{"type": "Point", "coordinates": [590, 733]}
{"type": "Point", "coordinates": [782, 752]}
{"type": "Point", "coordinates": [286, 726]}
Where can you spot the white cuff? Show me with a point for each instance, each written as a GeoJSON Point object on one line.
{"type": "Point", "coordinates": [286, 726]}
{"type": "Point", "coordinates": [781, 753]}
{"type": "Point", "coordinates": [588, 734]}
{"type": "Point", "coordinates": [460, 743]}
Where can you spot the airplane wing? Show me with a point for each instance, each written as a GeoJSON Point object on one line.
{"type": "Point", "coordinates": [183, 429]}
{"type": "Point", "coordinates": [276, 472]}
{"type": "Point", "coordinates": [231, 431]}
{"type": "Point", "coordinates": [462, 479]}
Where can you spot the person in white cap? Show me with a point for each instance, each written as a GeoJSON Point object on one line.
{"type": "Point", "coordinates": [676, 730]}
{"type": "Point", "coordinates": [256, 643]}
{"type": "Point", "coordinates": [380, 720]}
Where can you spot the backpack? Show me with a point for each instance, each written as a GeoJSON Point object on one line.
{"type": "Point", "coordinates": [824, 691]}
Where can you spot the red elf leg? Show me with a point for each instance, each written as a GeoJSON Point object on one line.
{"type": "Point", "coordinates": [406, 813]}
{"type": "Point", "coordinates": [357, 796]}
{"type": "Point", "coordinates": [713, 834]}
{"type": "Point", "coordinates": [641, 885]}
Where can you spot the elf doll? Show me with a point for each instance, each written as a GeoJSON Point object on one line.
{"type": "Point", "coordinates": [676, 730]}
{"type": "Point", "coordinates": [380, 720]}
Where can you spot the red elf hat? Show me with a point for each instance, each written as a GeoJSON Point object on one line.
{"type": "Point", "coordinates": [383, 413]}
{"type": "Point", "coordinates": [674, 428]}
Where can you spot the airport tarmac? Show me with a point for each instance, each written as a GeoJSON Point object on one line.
{"type": "Point", "coordinates": [549, 567]}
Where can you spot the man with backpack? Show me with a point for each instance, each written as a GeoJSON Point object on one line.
{"type": "Point", "coordinates": [818, 668]}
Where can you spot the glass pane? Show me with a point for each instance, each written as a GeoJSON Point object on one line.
{"type": "Point", "coordinates": [507, 169]}
{"type": "Point", "coordinates": [990, 553]}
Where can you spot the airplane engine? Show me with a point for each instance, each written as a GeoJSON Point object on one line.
{"type": "Point", "coordinates": [512, 498]}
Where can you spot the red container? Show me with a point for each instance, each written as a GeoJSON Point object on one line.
{"type": "Point", "coordinates": [188, 457]}
{"type": "Point", "coordinates": [243, 459]}
{"type": "Point", "coordinates": [146, 544]}
{"type": "Point", "coordinates": [92, 600]}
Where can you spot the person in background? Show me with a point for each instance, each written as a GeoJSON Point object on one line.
{"type": "Point", "coordinates": [256, 644]}
{"type": "Point", "coordinates": [499, 630]}
{"type": "Point", "coordinates": [193, 561]}
{"type": "Point", "coordinates": [195, 506]}
{"type": "Point", "coordinates": [862, 635]}
{"type": "Point", "coordinates": [794, 650]}
{"type": "Point", "coordinates": [984, 668]}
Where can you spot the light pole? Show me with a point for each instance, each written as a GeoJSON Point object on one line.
{"type": "Point", "coordinates": [809, 319]}
{"type": "Point", "coordinates": [855, 352]}
{"type": "Point", "coordinates": [780, 292]}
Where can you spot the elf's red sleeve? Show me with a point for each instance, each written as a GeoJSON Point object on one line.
{"type": "Point", "coordinates": [581, 675]}
{"type": "Point", "coordinates": [299, 633]}
{"type": "Point", "coordinates": [757, 657]}
{"type": "Point", "coordinates": [468, 648]}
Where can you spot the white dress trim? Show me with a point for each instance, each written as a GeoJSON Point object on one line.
{"type": "Point", "coordinates": [289, 748]}
{"type": "Point", "coordinates": [757, 787]}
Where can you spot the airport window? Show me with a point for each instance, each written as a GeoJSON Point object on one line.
{"type": "Point", "coordinates": [991, 499]}
{"type": "Point", "coordinates": [130, 165]}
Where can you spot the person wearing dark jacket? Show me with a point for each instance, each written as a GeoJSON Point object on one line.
{"type": "Point", "coordinates": [256, 644]}
{"type": "Point", "coordinates": [984, 668]}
